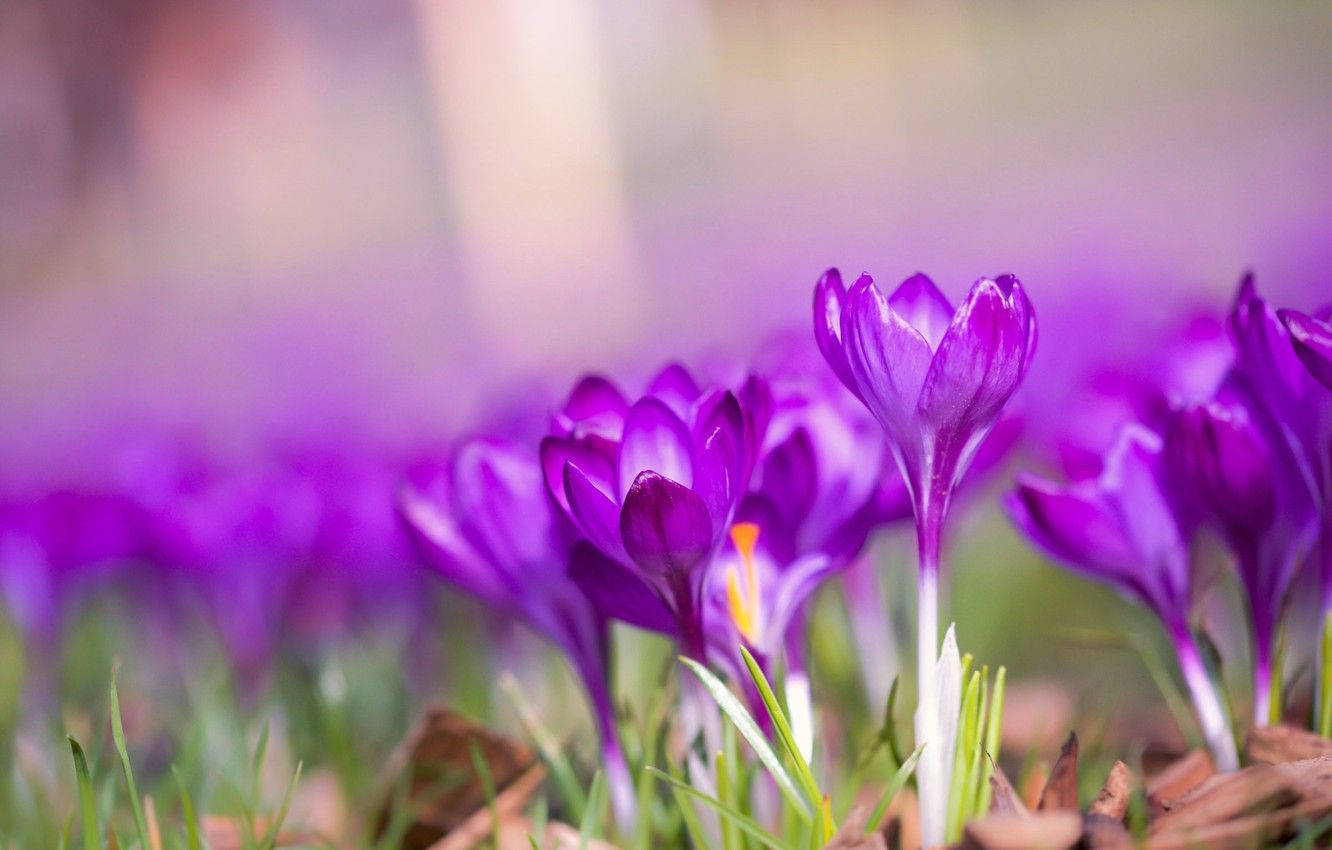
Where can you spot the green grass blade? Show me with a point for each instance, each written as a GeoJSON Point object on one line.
{"type": "Point", "coordinates": [1325, 680]}
{"type": "Point", "coordinates": [539, 819]}
{"type": "Point", "coordinates": [87, 802]}
{"type": "Point", "coordinates": [596, 799]}
{"type": "Point", "coordinates": [738, 819]}
{"type": "Point", "coordinates": [893, 787]}
{"type": "Point", "coordinates": [993, 727]}
{"type": "Point", "coordinates": [724, 796]}
{"type": "Point", "coordinates": [488, 788]}
{"type": "Point", "coordinates": [958, 796]}
{"type": "Point", "coordinates": [779, 722]}
{"type": "Point", "coordinates": [269, 841]}
{"type": "Point", "coordinates": [551, 751]}
{"type": "Point", "coordinates": [749, 730]}
{"type": "Point", "coordinates": [192, 840]}
{"type": "Point", "coordinates": [118, 735]}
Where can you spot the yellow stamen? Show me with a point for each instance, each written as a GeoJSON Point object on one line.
{"type": "Point", "coordinates": [744, 604]}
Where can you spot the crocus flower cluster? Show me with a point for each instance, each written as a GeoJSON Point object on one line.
{"type": "Point", "coordinates": [1238, 451]}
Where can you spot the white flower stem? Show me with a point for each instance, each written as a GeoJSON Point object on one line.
{"type": "Point", "coordinates": [1212, 715]}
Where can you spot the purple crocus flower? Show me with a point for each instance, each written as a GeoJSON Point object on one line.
{"type": "Point", "coordinates": [1312, 338]}
{"type": "Point", "coordinates": [937, 379]}
{"type": "Point", "coordinates": [486, 524]}
{"type": "Point", "coordinates": [1122, 529]}
{"type": "Point", "coordinates": [1225, 473]}
{"type": "Point", "coordinates": [653, 486]}
{"type": "Point", "coordinates": [1272, 369]}
{"type": "Point", "coordinates": [820, 486]}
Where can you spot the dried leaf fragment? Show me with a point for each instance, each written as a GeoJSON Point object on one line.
{"type": "Point", "coordinates": [1061, 789]}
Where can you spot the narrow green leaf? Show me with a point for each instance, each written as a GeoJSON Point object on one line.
{"type": "Point", "coordinates": [87, 802]}
{"type": "Point", "coordinates": [685, 806]}
{"type": "Point", "coordinates": [724, 796]}
{"type": "Point", "coordinates": [192, 839]}
{"type": "Point", "coordinates": [1325, 691]}
{"type": "Point", "coordinates": [551, 752]}
{"type": "Point", "coordinates": [269, 841]}
{"type": "Point", "coordinates": [787, 738]}
{"type": "Point", "coordinates": [957, 790]}
{"type": "Point", "coordinates": [596, 799]}
{"type": "Point", "coordinates": [118, 735]}
{"type": "Point", "coordinates": [993, 727]}
{"type": "Point", "coordinates": [892, 788]}
{"type": "Point", "coordinates": [642, 839]}
{"type": "Point", "coordinates": [488, 788]}
{"type": "Point", "coordinates": [749, 730]}
{"type": "Point", "coordinates": [540, 818]}
{"type": "Point", "coordinates": [741, 821]}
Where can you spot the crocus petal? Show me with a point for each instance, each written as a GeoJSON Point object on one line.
{"type": "Point", "coordinates": [1312, 340]}
{"type": "Point", "coordinates": [655, 439]}
{"type": "Point", "coordinates": [617, 592]}
{"type": "Point", "coordinates": [980, 362]}
{"type": "Point", "coordinates": [936, 727]}
{"type": "Point", "coordinates": [1077, 526]}
{"type": "Point", "coordinates": [1266, 357]}
{"type": "Point", "coordinates": [829, 304]}
{"type": "Point", "coordinates": [665, 526]}
{"type": "Point", "coordinates": [444, 549]}
{"type": "Point", "coordinates": [796, 585]}
{"type": "Point", "coordinates": [593, 511]}
{"type": "Point", "coordinates": [499, 491]}
{"type": "Point", "coordinates": [595, 406]}
{"type": "Point", "coordinates": [719, 456]}
{"type": "Point", "coordinates": [589, 455]}
{"type": "Point", "coordinates": [924, 307]}
{"type": "Point", "coordinates": [887, 356]}
{"type": "Point", "coordinates": [789, 476]}
{"type": "Point", "coordinates": [676, 387]}
{"type": "Point", "coordinates": [1216, 457]}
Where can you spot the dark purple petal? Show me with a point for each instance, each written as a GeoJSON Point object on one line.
{"type": "Point", "coordinates": [1220, 467]}
{"type": "Point", "coordinates": [593, 511]}
{"type": "Point", "coordinates": [887, 356]}
{"type": "Point", "coordinates": [665, 526]}
{"type": "Point", "coordinates": [1312, 340]}
{"type": "Point", "coordinates": [981, 361]}
{"type": "Point", "coordinates": [676, 387]}
{"type": "Point", "coordinates": [589, 455]}
{"type": "Point", "coordinates": [655, 439]}
{"type": "Point", "coordinates": [720, 446]}
{"type": "Point", "coordinates": [1265, 357]}
{"type": "Point", "coordinates": [617, 592]}
{"type": "Point", "coordinates": [829, 304]}
{"type": "Point", "coordinates": [788, 476]}
{"type": "Point", "coordinates": [924, 307]}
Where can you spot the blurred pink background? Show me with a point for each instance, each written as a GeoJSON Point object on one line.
{"type": "Point", "coordinates": [384, 215]}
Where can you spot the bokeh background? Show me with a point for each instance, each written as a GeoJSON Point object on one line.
{"type": "Point", "coordinates": [382, 222]}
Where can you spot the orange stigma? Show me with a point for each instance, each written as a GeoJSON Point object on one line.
{"type": "Point", "coordinates": [744, 601]}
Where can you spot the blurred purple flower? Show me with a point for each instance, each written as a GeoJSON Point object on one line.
{"type": "Point", "coordinates": [486, 524]}
{"type": "Point", "coordinates": [1270, 371]}
{"type": "Point", "coordinates": [1122, 529]}
{"type": "Point", "coordinates": [1312, 338]}
{"type": "Point", "coordinates": [1224, 473]}
{"type": "Point", "coordinates": [653, 486]}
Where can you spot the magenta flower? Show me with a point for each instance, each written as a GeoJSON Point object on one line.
{"type": "Point", "coordinates": [1271, 370]}
{"type": "Point", "coordinates": [1225, 474]}
{"type": "Point", "coordinates": [1312, 338]}
{"type": "Point", "coordinates": [653, 486]}
{"type": "Point", "coordinates": [937, 380]}
{"type": "Point", "coordinates": [486, 524]}
{"type": "Point", "coordinates": [1122, 529]}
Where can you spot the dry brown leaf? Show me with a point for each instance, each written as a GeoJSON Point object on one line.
{"type": "Point", "coordinates": [1061, 789]}
{"type": "Point", "coordinates": [1102, 832]}
{"type": "Point", "coordinates": [1049, 830]}
{"type": "Point", "coordinates": [1242, 833]}
{"type": "Point", "coordinates": [1004, 800]}
{"type": "Point", "coordinates": [508, 804]}
{"type": "Point", "coordinates": [1277, 744]}
{"type": "Point", "coordinates": [1113, 799]}
{"type": "Point", "coordinates": [902, 824]}
{"type": "Point", "coordinates": [1178, 779]}
{"type": "Point", "coordinates": [444, 790]}
{"type": "Point", "coordinates": [1033, 784]}
{"type": "Point", "coordinates": [1226, 796]}
{"type": "Point", "coordinates": [1311, 778]}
